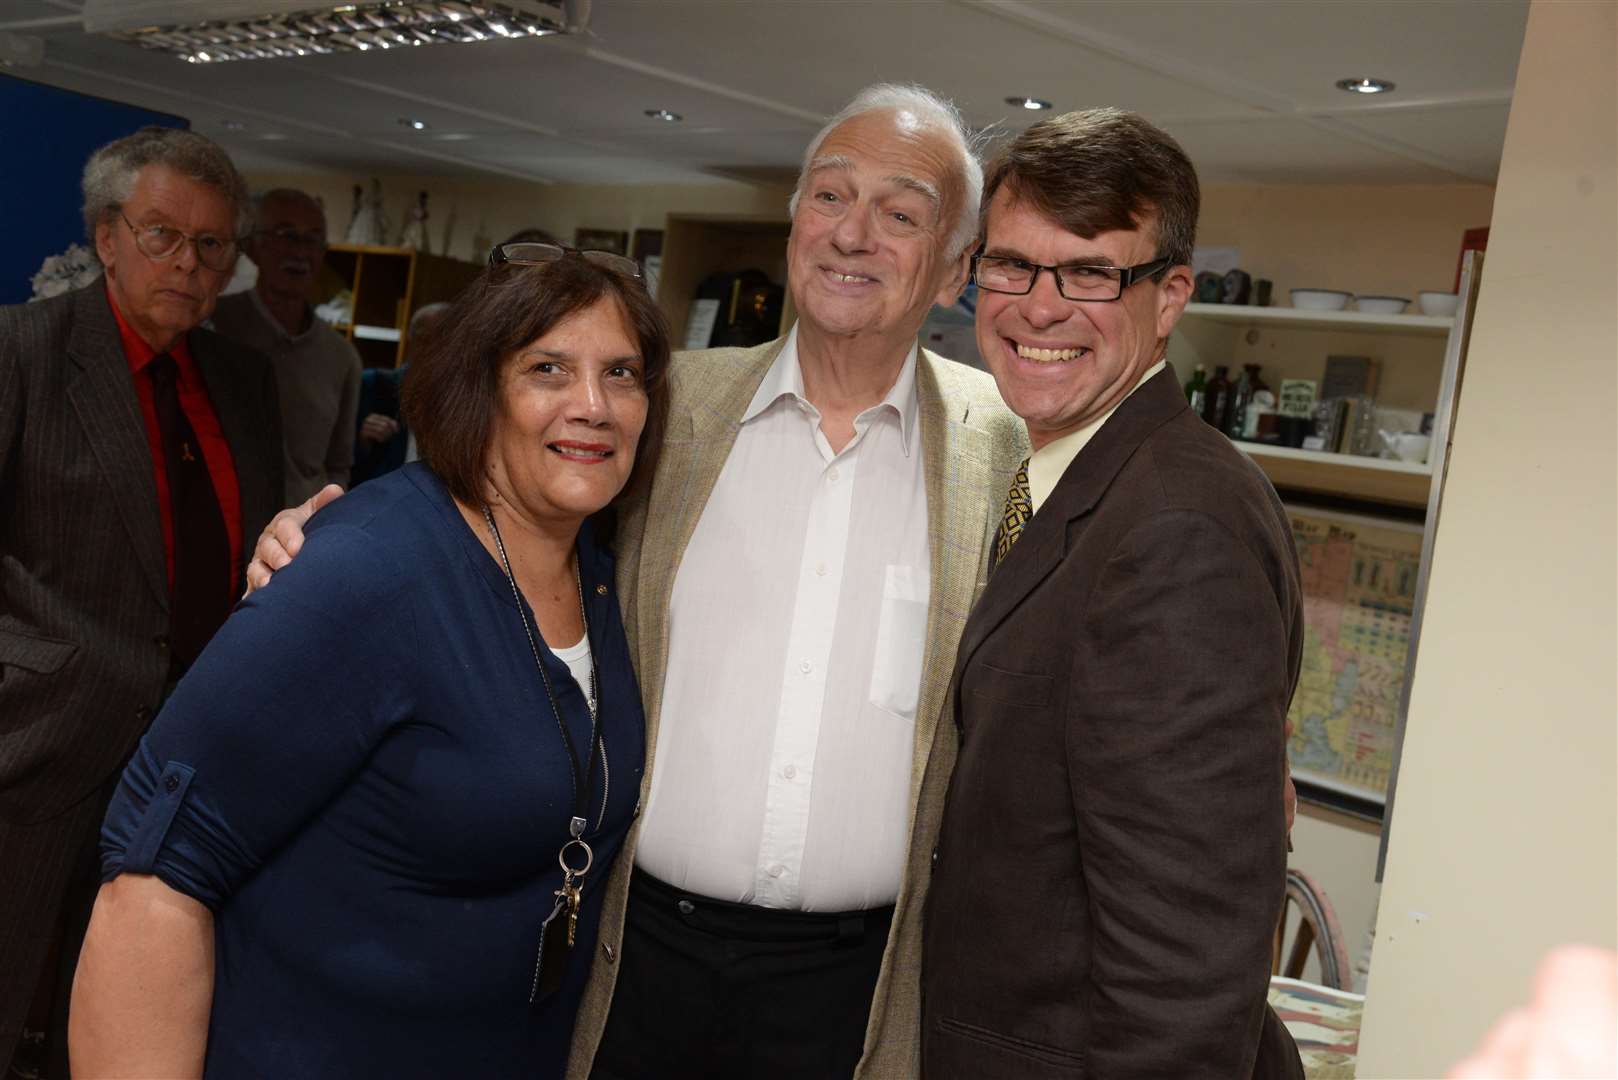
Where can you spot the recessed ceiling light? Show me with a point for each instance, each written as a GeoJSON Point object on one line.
{"type": "Point", "coordinates": [664, 115]}
{"type": "Point", "coordinates": [232, 125]}
{"type": "Point", "coordinates": [452, 136]}
{"type": "Point", "coordinates": [1033, 104]}
{"type": "Point", "coordinates": [1365, 85]}
{"type": "Point", "coordinates": [413, 124]}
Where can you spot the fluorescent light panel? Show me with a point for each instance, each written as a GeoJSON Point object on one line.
{"type": "Point", "coordinates": [359, 27]}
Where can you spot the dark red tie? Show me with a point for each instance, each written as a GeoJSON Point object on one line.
{"type": "Point", "coordinates": [202, 585]}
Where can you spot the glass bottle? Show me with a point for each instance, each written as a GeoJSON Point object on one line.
{"type": "Point", "coordinates": [1218, 403]}
{"type": "Point", "coordinates": [1256, 386]}
{"type": "Point", "coordinates": [1240, 395]}
{"type": "Point", "coordinates": [1196, 390]}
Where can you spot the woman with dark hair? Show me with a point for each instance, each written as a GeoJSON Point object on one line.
{"type": "Point", "coordinates": [367, 833]}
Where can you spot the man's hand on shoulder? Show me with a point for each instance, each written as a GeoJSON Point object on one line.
{"type": "Point", "coordinates": [282, 538]}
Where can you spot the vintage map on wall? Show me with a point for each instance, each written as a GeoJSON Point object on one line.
{"type": "Point", "coordinates": [1359, 584]}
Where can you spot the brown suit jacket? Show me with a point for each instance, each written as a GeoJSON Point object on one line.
{"type": "Point", "coordinates": [83, 587]}
{"type": "Point", "coordinates": [971, 445]}
{"type": "Point", "coordinates": [1112, 857]}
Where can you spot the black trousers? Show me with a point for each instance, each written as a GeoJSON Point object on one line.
{"type": "Point", "coordinates": [709, 989]}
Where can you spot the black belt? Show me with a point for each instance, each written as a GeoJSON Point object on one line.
{"type": "Point", "coordinates": [728, 919]}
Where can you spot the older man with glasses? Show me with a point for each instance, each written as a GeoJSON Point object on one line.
{"type": "Point", "coordinates": [317, 371]}
{"type": "Point", "coordinates": [136, 451]}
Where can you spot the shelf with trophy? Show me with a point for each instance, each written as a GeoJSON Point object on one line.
{"type": "Point", "coordinates": [373, 288]}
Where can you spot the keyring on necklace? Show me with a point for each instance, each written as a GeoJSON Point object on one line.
{"type": "Point", "coordinates": [589, 858]}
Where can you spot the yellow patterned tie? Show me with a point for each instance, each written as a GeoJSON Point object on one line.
{"type": "Point", "coordinates": [1019, 508]}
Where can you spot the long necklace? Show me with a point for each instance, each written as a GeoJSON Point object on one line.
{"type": "Point", "coordinates": [576, 828]}
{"type": "Point", "coordinates": [556, 947]}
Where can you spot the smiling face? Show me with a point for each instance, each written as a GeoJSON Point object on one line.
{"type": "Point", "coordinates": [1061, 365]}
{"type": "Point", "coordinates": [868, 252]}
{"type": "Point", "coordinates": [572, 406]}
{"type": "Point", "coordinates": [163, 298]}
{"type": "Point", "coordinates": [288, 244]}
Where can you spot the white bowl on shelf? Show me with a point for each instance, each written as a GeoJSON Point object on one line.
{"type": "Point", "coordinates": [1320, 299]}
{"type": "Point", "coordinates": [1440, 304]}
{"type": "Point", "coordinates": [1382, 305]}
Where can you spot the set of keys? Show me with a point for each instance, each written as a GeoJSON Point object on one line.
{"type": "Point", "coordinates": [573, 879]}
{"type": "Point", "coordinates": [556, 942]}
{"type": "Point", "coordinates": [569, 894]}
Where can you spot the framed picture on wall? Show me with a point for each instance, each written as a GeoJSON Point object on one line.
{"type": "Point", "coordinates": [613, 240]}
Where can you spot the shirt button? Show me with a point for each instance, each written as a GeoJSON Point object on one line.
{"type": "Point", "coordinates": [790, 772]}
{"type": "Point", "coordinates": [806, 667]}
{"type": "Point", "coordinates": [601, 590]}
{"type": "Point", "coordinates": [777, 870]}
{"type": "Point", "coordinates": [686, 907]}
{"type": "Point", "coordinates": [821, 570]}
{"type": "Point", "coordinates": [831, 474]}
{"type": "Point", "coordinates": [162, 641]}
{"type": "Point", "coordinates": [171, 784]}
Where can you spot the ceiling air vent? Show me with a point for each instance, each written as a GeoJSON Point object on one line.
{"type": "Point", "coordinates": [210, 31]}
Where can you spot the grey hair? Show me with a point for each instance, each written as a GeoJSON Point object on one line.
{"type": "Point", "coordinates": [109, 175]}
{"type": "Point", "coordinates": [933, 111]}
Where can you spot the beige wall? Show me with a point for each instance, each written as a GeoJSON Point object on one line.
{"type": "Point", "coordinates": [1380, 241]}
{"type": "Point", "coordinates": [475, 208]}
{"type": "Point", "coordinates": [1506, 826]}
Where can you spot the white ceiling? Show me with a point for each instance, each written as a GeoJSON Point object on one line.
{"type": "Point", "coordinates": [1245, 85]}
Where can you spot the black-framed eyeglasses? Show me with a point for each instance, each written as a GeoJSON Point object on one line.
{"type": "Point", "coordinates": [160, 242]}
{"type": "Point", "coordinates": [1083, 282]}
{"type": "Point", "coordinates": [538, 254]}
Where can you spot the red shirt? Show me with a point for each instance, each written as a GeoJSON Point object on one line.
{"type": "Point", "coordinates": [204, 421]}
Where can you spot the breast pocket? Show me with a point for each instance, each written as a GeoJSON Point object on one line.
{"type": "Point", "coordinates": [901, 636]}
{"type": "Point", "coordinates": [1002, 687]}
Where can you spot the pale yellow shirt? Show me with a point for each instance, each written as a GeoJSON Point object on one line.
{"type": "Point", "coordinates": [1050, 461]}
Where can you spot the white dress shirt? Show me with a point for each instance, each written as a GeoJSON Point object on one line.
{"type": "Point", "coordinates": [796, 626]}
{"type": "Point", "coordinates": [1050, 461]}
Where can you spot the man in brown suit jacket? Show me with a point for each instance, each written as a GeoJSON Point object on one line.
{"type": "Point", "coordinates": [94, 545]}
{"type": "Point", "coordinates": [1111, 860]}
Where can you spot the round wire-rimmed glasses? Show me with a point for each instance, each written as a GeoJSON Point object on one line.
{"type": "Point", "coordinates": [531, 253]}
{"type": "Point", "coordinates": [159, 242]}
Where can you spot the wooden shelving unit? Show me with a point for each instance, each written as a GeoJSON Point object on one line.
{"type": "Point", "coordinates": [389, 285]}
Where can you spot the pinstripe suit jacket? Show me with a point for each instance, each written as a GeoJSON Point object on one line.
{"type": "Point", "coordinates": [972, 445]}
{"type": "Point", "coordinates": [83, 585]}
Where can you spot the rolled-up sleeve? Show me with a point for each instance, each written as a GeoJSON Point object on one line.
{"type": "Point", "coordinates": [279, 713]}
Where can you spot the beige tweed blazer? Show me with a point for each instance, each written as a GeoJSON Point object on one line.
{"type": "Point", "coordinates": [972, 445]}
